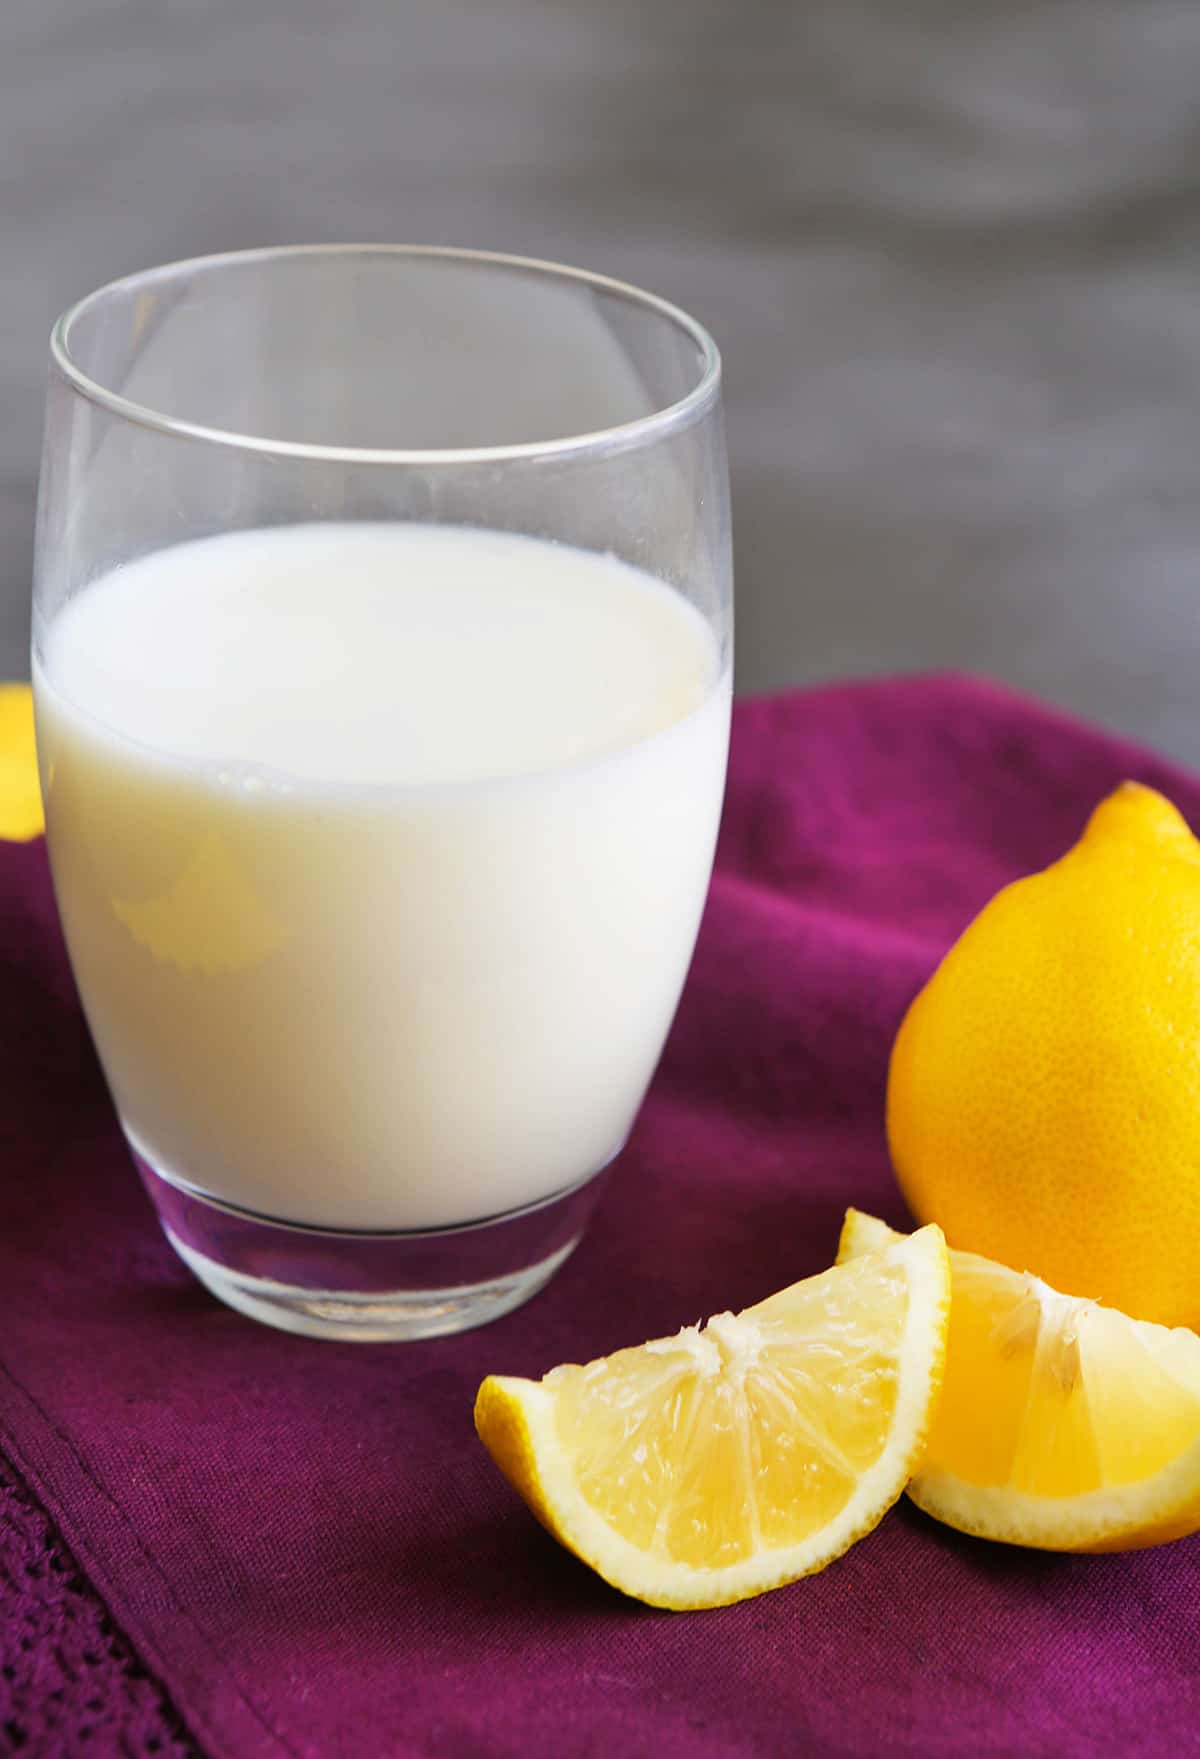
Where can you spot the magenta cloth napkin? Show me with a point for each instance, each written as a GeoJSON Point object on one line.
{"type": "Point", "coordinates": [306, 1544]}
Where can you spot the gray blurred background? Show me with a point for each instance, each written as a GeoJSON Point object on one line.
{"type": "Point", "coordinates": [951, 253]}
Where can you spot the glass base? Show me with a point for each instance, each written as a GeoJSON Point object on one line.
{"type": "Point", "coordinates": [369, 1287]}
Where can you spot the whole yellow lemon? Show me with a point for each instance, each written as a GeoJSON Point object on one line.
{"type": "Point", "coordinates": [1044, 1089]}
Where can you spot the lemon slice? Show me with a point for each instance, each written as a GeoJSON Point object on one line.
{"type": "Point", "coordinates": [1063, 1424]}
{"type": "Point", "coordinates": [700, 1469]}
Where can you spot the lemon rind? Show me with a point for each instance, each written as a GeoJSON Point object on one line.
{"type": "Point", "coordinates": [515, 1419]}
{"type": "Point", "coordinates": [1166, 1506]}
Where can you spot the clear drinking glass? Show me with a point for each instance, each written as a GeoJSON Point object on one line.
{"type": "Point", "coordinates": [381, 655]}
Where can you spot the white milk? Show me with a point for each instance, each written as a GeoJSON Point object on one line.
{"type": "Point", "coordinates": [380, 851]}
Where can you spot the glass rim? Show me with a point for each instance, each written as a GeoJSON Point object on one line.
{"type": "Point", "coordinates": [642, 430]}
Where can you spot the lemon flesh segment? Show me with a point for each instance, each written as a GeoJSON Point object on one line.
{"type": "Point", "coordinates": [700, 1469]}
{"type": "Point", "coordinates": [1063, 1424]}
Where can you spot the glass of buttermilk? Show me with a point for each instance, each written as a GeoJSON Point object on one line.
{"type": "Point", "coordinates": [381, 657]}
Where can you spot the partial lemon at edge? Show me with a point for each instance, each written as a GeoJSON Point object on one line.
{"type": "Point", "coordinates": [1063, 1424]}
{"type": "Point", "coordinates": [21, 817]}
{"type": "Point", "coordinates": [701, 1469]}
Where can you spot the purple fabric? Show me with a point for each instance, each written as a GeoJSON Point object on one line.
{"type": "Point", "coordinates": [306, 1543]}
{"type": "Point", "coordinates": [68, 1681]}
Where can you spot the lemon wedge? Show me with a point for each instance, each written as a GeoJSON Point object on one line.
{"type": "Point", "coordinates": [701, 1469]}
{"type": "Point", "coordinates": [1063, 1424]}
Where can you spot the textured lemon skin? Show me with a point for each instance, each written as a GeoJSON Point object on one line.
{"type": "Point", "coordinates": [21, 815]}
{"type": "Point", "coordinates": [515, 1421]}
{"type": "Point", "coordinates": [502, 1425]}
{"type": "Point", "coordinates": [1044, 1089]}
{"type": "Point", "coordinates": [1165, 1508]}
